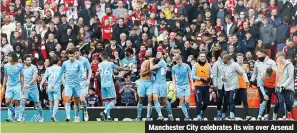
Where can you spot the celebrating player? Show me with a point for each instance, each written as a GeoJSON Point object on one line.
{"type": "Point", "coordinates": [202, 74]}
{"type": "Point", "coordinates": [231, 70]}
{"type": "Point", "coordinates": [107, 85]}
{"type": "Point", "coordinates": [145, 87]}
{"type": "Point", "coordinates": [31, 93]}
{"type": "Point", "coordinates": [242, 86]}
{"type": "Point", "coordinates": [85, 82]}
{"type": "Point", "coordinates": [73, 70]}
{"type": "Point", "coordinates": [267, 87]}
{"type": "Point", "coordinates": [13, 83]}
{"type": "Point", "coordinates": [285, 85]}
{"type": "Point", "coordinates": [160, 86]}
{"type": "Point", "coordinates": [54, 94]}
{"type": "Point", "coordinates": [181, 76]}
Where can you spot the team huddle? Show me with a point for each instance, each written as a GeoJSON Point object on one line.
{"type": "Point", "coordinates": [226, 78]}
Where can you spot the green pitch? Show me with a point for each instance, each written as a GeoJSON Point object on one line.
{"type": "Point", "coordinates": [64, 127]}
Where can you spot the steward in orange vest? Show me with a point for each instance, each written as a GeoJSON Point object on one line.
{"type": "Point", "coordinates": [242, 86]}
{"type": "Point", "coordinates": [267, 87]}
{"type": "Point", "coordinates": [202, 75]}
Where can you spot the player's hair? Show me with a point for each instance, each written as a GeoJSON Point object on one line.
{"type": "Point", "coordinates": [70, 51]}
{"type": "Point", "coordinates": [282, 54]}
{"type": "Point", "coordinates": [27, 56]}
{"type": "Point", "coordinates": [54, 60]}
{"type": "Point", "coordinates": [262, 51]}
{"type": "Point", "coordinates": [269, 70]}
{"type": "Point", "coordinates": [75, 49]}
{"type": "Point", "coordinates": [239, 54]}
{"type": "Point", "coordinates": [178, 57]}
{"type": "Point", "coordinates": [227, 55]}
{"type": "Point", "coordinates": [13, 55]}
{"type": "Point", "coordinates": [156, 60]}
{"type": "Point", "coordinates": [104, 55]}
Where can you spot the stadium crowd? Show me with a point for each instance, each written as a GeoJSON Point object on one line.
{"type": "Point", "coordinates": [131, 31]}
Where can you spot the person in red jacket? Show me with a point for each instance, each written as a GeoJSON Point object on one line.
{"type": "Point", "coordinates": [108, 14]}
{"type": "Point", "coordinates": [106, 29]}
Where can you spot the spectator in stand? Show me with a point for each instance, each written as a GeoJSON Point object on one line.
{"type": "Point", "coordinates": [5, 46]}
{"type": "Point", "coordinates": [92, 99]}
{"type": "Point", "coordinates": [283, 30]}
{"type": "Point", "coordinates": [127, 92]}
{"type": "Point", "coordinates": [267, 35]}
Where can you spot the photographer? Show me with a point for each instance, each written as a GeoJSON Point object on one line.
{"type": "Point", "coordinates": [127, 92]}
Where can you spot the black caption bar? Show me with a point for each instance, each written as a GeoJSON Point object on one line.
{"type": "Point", "coordinates": [221, 127]}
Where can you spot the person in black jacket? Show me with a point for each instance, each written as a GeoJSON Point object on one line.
{"type": "Point", "coordinates": [119, 28]}
{"type": "Point", "coordinates": [67, 36]}
{"type": "Point", "coordinates": [283, 31]}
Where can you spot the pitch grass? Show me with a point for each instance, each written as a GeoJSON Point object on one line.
{"type": "Point", "coordinates": [82, 127]}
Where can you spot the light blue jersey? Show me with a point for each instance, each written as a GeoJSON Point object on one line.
{"type": "Point", "coordinates": [106, 71]}
{"type": "Point", "coordinates": [73, 72]}
{"type": "Point", "coordinates": [28, 77]}
{"type": "Point", "coordinates": [181, 74]}
{"type": "Point", "coordinates": [73, 75]}
{"type": "Point", "coordinates": [161, 72]}
{"type": "Point", "coordinates": [51, 74]}
{"type": "Point", "coordinates": [160, 85]}
{"type": "Point", "coordinates": [13, 73]}
{"type": "Point", "coordinates": [87, 67]}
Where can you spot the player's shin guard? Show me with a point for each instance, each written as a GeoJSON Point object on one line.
{"type": "Point", "coordinates": [262, 108]}
{"type": "Point", "coordinates": [139, 109]}
{"type": "Point", "coordinates": [185, 110]}
{"type": "Point", "coordinates": [51, 109]}
{"type": "Point", "coordinates": [76, 110]}
{"type": "Point", "coordinates": [22, 109]}
{"type": "Point", "coordinates": [84, 104]}
{"type": "Point", "coordinates": [11, 111]}
{"type": "Point", "coordinates": [17, 112]}
{"type": "Point", "coordinates": [110, 106]}
{"type": "Point", "coordinates": [168, 108]}
{"type": "Point", "coordinates": [55, 109]}
{"type": "Point", "coordinates": [67, 109]}
{"type": "Point", "coordinates": [158, 107]}
{"type": "Point", "coordinates": [39, 108]}
{"type": "Point", "coordinates": [148, 113]}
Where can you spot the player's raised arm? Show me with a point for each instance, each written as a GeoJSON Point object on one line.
{"type": "Point", "coordinates": [154, 66]}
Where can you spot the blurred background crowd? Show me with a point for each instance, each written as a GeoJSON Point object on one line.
{"type": "Point", "coordinates": [131, 31]}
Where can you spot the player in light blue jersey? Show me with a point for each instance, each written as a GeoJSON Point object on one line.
{"type": "Point", "coordinates": [54, 94]}
{"type": "Point", "coordinates": [107, 85]}
{"type": "Point", "coordinates": [73, 70]}
{"type": "Point", "coordinates": [13, 83]}
{"type": "Point", "coordinates": [31, 93]}
{"type": "Point", "coordinates": [160, 86]}
{"type": "Point", "coordinates": [181, 78]}
{"type": "Point", "coordinates": [85, 81]}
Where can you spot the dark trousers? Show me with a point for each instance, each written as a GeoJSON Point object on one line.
{"type": "Point", "coordinates": [220, 97]}
{"type": "Point", "coordinates": [202, 95]}
{"type": "Point", "coordinates": [285, 97]}
{"type": "Point", "coordinates": [243, 98]}
{"type": "Point", "coordinates": [230, 96]}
